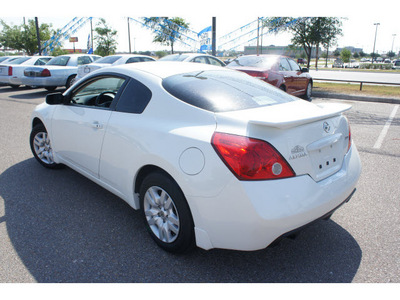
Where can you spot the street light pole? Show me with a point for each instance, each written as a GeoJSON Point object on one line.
{"type": "Point", "coordinates": [394, 35]}
{"type": "Point", "coordinates": [376, 31]}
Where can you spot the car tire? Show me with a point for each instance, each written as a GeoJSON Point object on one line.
{"type": "Point", "coordinates": [14, 86]}
{"type": "Point", "coordinates": [41, 147]}
{"type": "Point", "coordinates": [50, 88]}
{"type": "Point", "coordinates": [69, 81]}
{"type": "Point", "coordinates": [166, 213]}
{"type": "Point", "coordinates": [308, 94]}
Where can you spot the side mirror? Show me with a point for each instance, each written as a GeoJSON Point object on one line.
{"type": "Point", "coordinates": [304, 70]}
{"type": "Point", "coordinates": [55, 98]}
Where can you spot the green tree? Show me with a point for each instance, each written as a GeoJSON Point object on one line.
{"type": "Point", "coordinates": [167, 30]}
{"type": "Point", "coordinates": [307, 32]}
{"type": "Point", "coordinates": [336, 53]}
{"type": "Point", "coordinates": [391, 54]}
{"type": "Point", "coordinates": [105, 38]}
{"type": "Point", "coordinates": [345, 55]}
{"type": "Point", "coordinates": [23, 37]}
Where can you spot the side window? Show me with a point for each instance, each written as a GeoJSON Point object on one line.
{"type": "Point", "coordinates": [98, 93]}
{"type": "Point", "coordinates": [201, 59]}
{"type": "Point", "coordinates": [293, 65]}
{"type": "Point", "coordinates": [42, 61]}
{"type": "Point", "coordinates": [133, 60]}
{"type": "Point", "coordinates": [134, 98]}
{"type": "Point", "coordinates": [215, 62]}
{"type": "Point", "coordinates": [284, 65]}
{"type": "Point", "coordinates": [84, 60]}
{"type": "Point", "coordinates": [147, 59]}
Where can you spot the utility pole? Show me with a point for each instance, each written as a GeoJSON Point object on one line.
{"type": "Point", "coordinates": [91, 34]}
{"type": "Point", "coordinates": [376, 31]}
{"type": "Point", "coordinates": [258, 34]}
{"type": "Point", "coordinates": [394, 35]}
{"type": "Point", "coordinates": [38, 35]}
{"type": "Point", "coordinates": [214, 40]}
{"type": "Point", "coordinates": [129, 37]}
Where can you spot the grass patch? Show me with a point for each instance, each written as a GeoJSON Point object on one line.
{"type": "Point", "coordinates": [354, 89]}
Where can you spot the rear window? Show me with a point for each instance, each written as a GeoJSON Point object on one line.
{"type": "Point", "coordinates": [59, 61]}
{"type": "Point", "coordinates": [265, 62]}
{"type": "Point", "coordinates": [174, 57]}
{"type": "Point", "coordinates": [108, 59]}
{"type": "Point", "coordinates": [223, 91]}
{"type": "Point", "coordinates": [20, 60]}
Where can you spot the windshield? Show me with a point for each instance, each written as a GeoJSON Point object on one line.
{"type": "Point", "coordinates": [175, 57]}
{"type": "Point", "coordinates": [58, 61]}
{"type": "Point", "coordinates": [223, 91]}
{"type": "Point", "coordinates": [265, 62]}
{"type": "Point", "coordinates": [108, 59]}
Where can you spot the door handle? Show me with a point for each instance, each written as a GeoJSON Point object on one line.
{"type": "Point", "coordinates": [97, 125]}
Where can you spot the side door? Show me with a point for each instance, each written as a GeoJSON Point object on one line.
{"type": "Point", "coordinates": [286, 72]}
{"type": "Point", "coordinates": [299, 78]}
{"type": "Point", "coordinates": [79, 125]}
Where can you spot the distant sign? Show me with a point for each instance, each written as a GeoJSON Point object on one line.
{"type": "Point", "coordinates": [73, 39]}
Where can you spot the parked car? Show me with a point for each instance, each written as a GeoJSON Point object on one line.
{"type": "Point", "coordinates": [11, 73]}
{"type": "Point", "coordinates": [352, 64]}
{"type": "Point", "coordinates": [211, 157]}
{"type": "Point", "coordinates": [111, 60]}
{"type": "Point", "coordinates": [280, 71]}
{"type": "Point", "coordinates": [59, 71]}
{"type": "Point", "coordinates": [302, 61]}
{"type": "Point", "coordinates": [3, 58]}
{"type": "Point", "coordinates": [338, 63]}
{"type": "Point", "coordinates": [396, 64]}
{"type": "Point", "coordinates": [194, 57]}
{"type": "Point", "coordinates": [8, 59]}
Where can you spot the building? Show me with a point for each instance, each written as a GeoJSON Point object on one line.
{"type": "Point", "coordinates": [290, 50]}
{"type": "Point", "coordinates": [351, 48]}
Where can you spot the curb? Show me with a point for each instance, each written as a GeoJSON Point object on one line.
{"type": "Point", "coordinates": [355, 97]}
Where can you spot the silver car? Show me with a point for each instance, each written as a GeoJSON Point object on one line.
{"type": "Point", "coordinates": [59, 71]}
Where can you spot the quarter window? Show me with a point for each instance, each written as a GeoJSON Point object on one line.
{"type": "Point", "coordinates": [84, 60]}
{"type": "Point", "coordinates": [134, 98]}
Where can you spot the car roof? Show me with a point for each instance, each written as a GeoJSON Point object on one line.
{"type": "Point", "coordinates": [162, 69]}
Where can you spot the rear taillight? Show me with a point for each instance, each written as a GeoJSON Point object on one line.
{"type": "Point", "coordinates": [10, 71]}
{"type": "Point", "coordinates": [259, 75]}
{"type": "Point", "coordinates": [349, 143]}
{"type": "Point", "coordinates": [250, 159]}
{"type": "Point", "coordinates": [45, 73]}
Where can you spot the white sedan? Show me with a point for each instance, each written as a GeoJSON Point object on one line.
{"type": "Point", "coordinates": [59, 71]}
{"type": "Point", "coordinates": [195, 58]}
{"type": "Point", "coordinates": [212, 157]}
{"type": "Point", "coordinates": [111, 60]}
{"type": "Point", "coordinates": [12, 72]}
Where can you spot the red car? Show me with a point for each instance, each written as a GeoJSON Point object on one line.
{"type": "Point", "coordinates": [280, 71]}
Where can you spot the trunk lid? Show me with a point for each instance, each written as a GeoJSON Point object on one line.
{"type": "Point", "coordinates": [312, 138]}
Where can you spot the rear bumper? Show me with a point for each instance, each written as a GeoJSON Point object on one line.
{"type": "Point", "coordinates": [294, 232]}
{"type": "Point", "coordinates": [42, 81]}
{"type": "Point", "coordinates": [251, 215]}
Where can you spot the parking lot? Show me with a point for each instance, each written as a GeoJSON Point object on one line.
{"type": "Point", "coordinates": [58, 226]}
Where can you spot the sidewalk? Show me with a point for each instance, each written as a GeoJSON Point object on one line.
{"type": "Point", "coordinates": [319, 94]}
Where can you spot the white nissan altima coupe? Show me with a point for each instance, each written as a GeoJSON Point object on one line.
{"type": "Point", "coordinates": [212, 157]}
